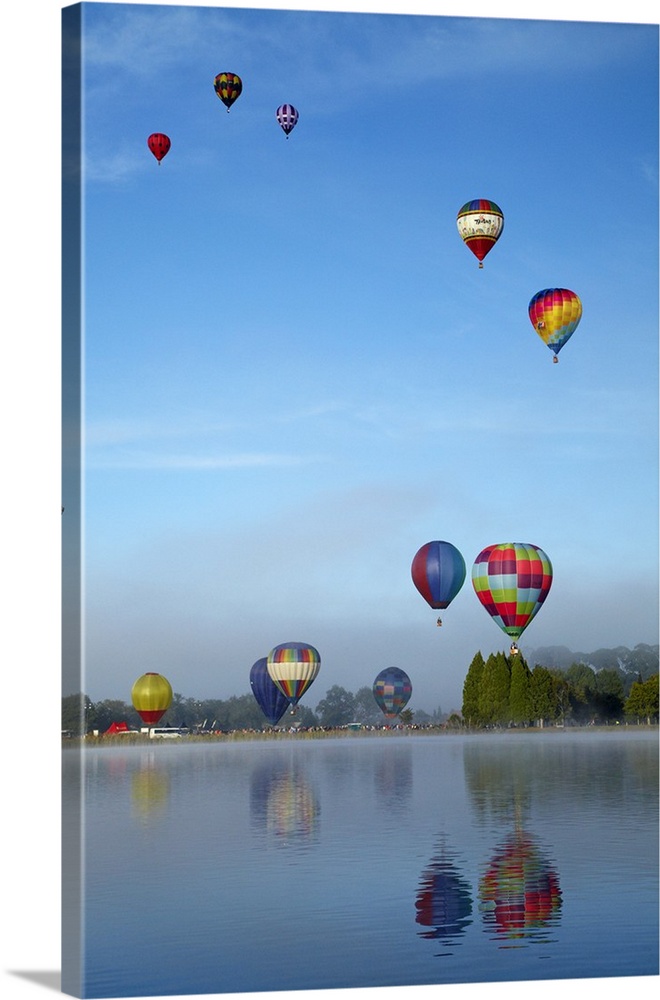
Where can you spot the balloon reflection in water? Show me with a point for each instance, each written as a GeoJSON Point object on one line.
{"type": "Point", "coordinates": [519, 893]}
{"type": "Point", "coordinates": [282, 803]}
{"type": "Point", "coordinates": [150, 791]}
{"type": "Point", "coordinates": [443, 903]}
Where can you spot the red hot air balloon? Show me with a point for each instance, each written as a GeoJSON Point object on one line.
{"type": "Point", "coordinates": [159, 144]}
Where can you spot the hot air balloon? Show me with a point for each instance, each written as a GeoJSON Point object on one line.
{"type": "Point", "coordinates": [438, 572]}
{"type": "Point", "coordinates": [392, 690]}
{"type": "Point", "coordinates": [287, 116]}
{"type": "Point", "coordinates": [228, 87]}
{"type": "Point", "coordinates": [270, 699]}
{"type": "Point", "coordinates": [512, 580]}
{"type": "Point", "coordinates": [519, 893]}
{"type": "Point", "coordinates": [293, 666]}
{"type": "Point", "coordinates": [159, 144]}
{"type": "Point", "coordinates": [480, 224]}
{"type": "Point", "coordinates": [554, 314]}
{"type": "Point", "coordinates": [152, 696]}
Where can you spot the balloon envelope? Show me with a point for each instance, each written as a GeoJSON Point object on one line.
{"type": "Point", "coordinates": [512, 580]}
{"type": "Point", "coordinates": [438, 571]}
{"type": "Point", "coordinates": [555, 313]}
{"type": "Point", "coordinates": [159, 144]}
{"type": "Point", "coordinates": [228, 87]}
{"type": "Point", "coordinates": [392, 690]}
{"type": "Point", "coordinates": [480, 223]}
{"type": "Point", "coordinates": [293, 666]}
{"type": "Point", "coordinates": [152, 696]}
{"type": "Point", "coordinates": [270, 699]}
{"type": "Point", "coordinates": [287, 116]}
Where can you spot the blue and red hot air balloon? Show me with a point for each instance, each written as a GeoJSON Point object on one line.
{"type": "Point", "coordinates": [438, 571]}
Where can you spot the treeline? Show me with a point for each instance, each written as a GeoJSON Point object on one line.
{"type": "Point", "coordinates": [339, 707]}
{"type": "Point", "coordinates": [503, 691]}
{"type": "Point", "coordinates": [498, 691]}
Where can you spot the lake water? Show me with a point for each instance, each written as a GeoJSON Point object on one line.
{"type": "Point", "coordinates": [368, 861]}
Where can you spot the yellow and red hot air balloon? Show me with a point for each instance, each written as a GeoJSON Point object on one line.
{"type": "Point", "coordinates": [555, 313]}
{"type": "Point", "coordinates": [159, 144]}
{"type": "Point", "coordinates": [480, 223]}
{"type": "Point", "coordinates": [152, 696]}
{"type": "Point", "coordinates": [228, 87]}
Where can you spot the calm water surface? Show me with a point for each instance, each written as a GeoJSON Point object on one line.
{"type": "Point", "coordinates": [369, 861]}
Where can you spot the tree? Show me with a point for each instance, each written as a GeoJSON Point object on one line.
{"type": "Point", "coordinates": [366, 708]}
{"type": "Point", "coordinates": [520, 694]}
{"type": "Point", "coordinates": [337, 708]}
{"type": "Point", "coordinates": [494, 690]}
{"type": "Point", "coordinates": [608, 694]}
{"type": "Point", "coordinates": [406, 716]}
{"type": "Point", "coordinates": [471, 686]}
{"type": "Point", "coordinates": [642, 702]}
{"type": "Point", "coordinates": [543, 695]}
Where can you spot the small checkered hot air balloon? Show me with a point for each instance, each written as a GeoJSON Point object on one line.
{"type": "Point", "coordinates": [228, 87]}
{"type": "Point", "coordinates": [555, 313]}
{"type": "Point", "coordinates": [480, 223]}
{"type": "Point", "coordinates": [287, 116]}
{"type": "Point", "coordinates": [512, 580]}
{"type": "Point", "coordinates": [392, 690]}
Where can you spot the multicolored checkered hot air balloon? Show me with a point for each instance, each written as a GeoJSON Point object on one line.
{"type": "Point", "coordinates": [438, 572]}
{"type": "Point", "coordinates": [293, 666]}
{"type": "Point", "coordinates": [392, 690]}
{"type": "Point", "coordinates": [480, 223]}
{"type": "Point", "coordinates": [287, 116]}
{"type": "Point", "coordinates": [512, 580]}
{"type": "Point", "coordinates": [228, 87]}
{"type": "Point", "coordinates": [554, 314]}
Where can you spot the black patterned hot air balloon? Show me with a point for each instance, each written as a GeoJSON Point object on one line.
{"type": "Point", "coordinates": [228, 87]}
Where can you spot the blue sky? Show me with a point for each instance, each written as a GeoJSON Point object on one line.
{"type": "Point", "coordinates": [295, 372]}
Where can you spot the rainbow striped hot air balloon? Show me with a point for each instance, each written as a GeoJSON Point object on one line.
{"type": "Point", "coordinates": [554, 314]}
{"type": "Point", "coordinates": [293, 666]}
{"type": "Point", "coordinates": [480, 223]}
{"type": "Point", "coordinates": [512, 580]}
{"type": "Point", "coordinates": [392, 690]}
